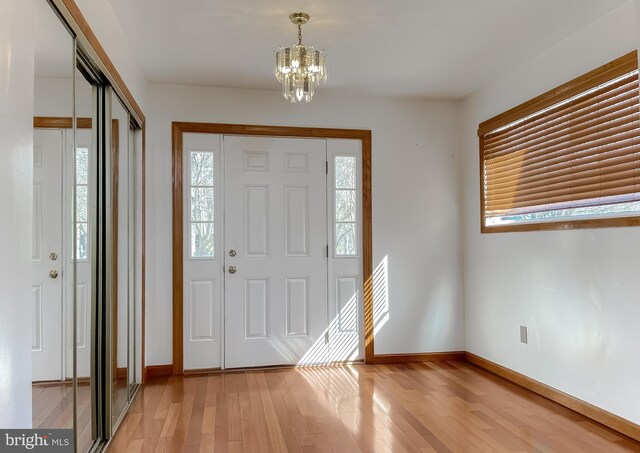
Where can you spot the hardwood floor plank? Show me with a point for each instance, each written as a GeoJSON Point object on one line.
{"type": "Point", "coordinates": [171, 420]}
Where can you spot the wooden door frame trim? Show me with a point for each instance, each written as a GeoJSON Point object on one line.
{"type": "Point", "coordinates": [60, 122]}
{"type": "Point", "coordinates": [179, 128]}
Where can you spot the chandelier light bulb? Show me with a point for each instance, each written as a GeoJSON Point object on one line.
{"type": "Point", "coordinates": [300, 68]}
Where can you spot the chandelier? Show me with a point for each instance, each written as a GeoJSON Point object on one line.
{"type": "Point", "coordinates": [300, 68]}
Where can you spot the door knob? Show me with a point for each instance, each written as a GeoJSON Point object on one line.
{"type": "Point", "coordinates": [53, 256]}
{"type": "Point", "coordinates": [53, 274]}
{"type": "Point", "coordinates": [233, 269]}
{"type": "Point", "coordinates": [232, 253]}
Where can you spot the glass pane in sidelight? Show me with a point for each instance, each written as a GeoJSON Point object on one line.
{"type": "Point", "coordinates": [201, 168]}
{"type": "Point", "coordinates": [202, 204]}
{"type": "Point", "coordinates": [202, 240]}
{"type": "Point", "coordinates": [345, 205]}
{"type": "Point", "coordinates": [346, 239]}
{"type": "Point", "coordinates": [345, 170]}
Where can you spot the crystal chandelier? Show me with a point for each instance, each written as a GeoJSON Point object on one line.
{"type": "Point", "coordinates": [300, 68]}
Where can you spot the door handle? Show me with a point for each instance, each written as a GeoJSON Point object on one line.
{"type": "Point", "coordinates": [232, 253]}
{"type": "Point", "coordinates": [53, 274]}
{"type": "Point", "coordinates": [233, 269]}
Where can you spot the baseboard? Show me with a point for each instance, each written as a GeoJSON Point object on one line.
{"type": "Point", "coordinates": [201, 371]}
{"type": "Point", "coordinates": [582, 407]}
{"type": "Point", "coordinates": [158, 370]}
{"type": "Point", "coordinates": [121, 373]}
{"type": "Point", "coordinates": [68, 381]}
{"type": "Point", "coordinates": [421, 357]}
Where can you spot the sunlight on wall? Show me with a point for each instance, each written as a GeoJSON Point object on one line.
{"type": "Point", "coordinates": [380, 280]}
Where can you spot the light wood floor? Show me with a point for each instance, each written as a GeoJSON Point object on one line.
{"type": "Point", "coordinates": [422, 407]}
{"type": "Point", "coordinates": [52, 406]}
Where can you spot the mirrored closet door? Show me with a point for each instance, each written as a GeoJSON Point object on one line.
{"type": "Point", "coordinates": [53, 389]}
{"type": "Point", "coordinates": [123, 258]}
{"type": "Point", "coordinates": [84, 252]}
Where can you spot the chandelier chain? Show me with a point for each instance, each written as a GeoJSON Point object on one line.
{"type": "Point", "coordinates": [299, 34]}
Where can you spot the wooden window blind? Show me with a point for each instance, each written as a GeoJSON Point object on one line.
{"type": "Point", "coordinates": [577, 146]}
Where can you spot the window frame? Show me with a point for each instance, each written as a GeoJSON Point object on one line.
{"type": "Point", "coordinates": [628, 62]}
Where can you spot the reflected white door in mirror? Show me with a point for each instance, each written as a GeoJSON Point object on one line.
{"type": "Point", "coordinates": [47, 256]}
{"type": "Point", "coordinates": [54, 161]}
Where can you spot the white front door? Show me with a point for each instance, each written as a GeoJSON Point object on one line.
{"type": "Point", "coordinates": [47, 255]}
{"type": "Point", "coordinates": [275, 251]}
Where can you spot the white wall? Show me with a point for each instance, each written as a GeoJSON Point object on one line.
{"type": "Point", "coordinates": [54, 97]}
{"type": "Point", "coordinates": [16, 143]}
{"type": "Point", "coordinates": [104, 23]}
{"type": "Point", "coordinates": [416, 202]}
{"type": "Point", "coordinates": [578, 292]}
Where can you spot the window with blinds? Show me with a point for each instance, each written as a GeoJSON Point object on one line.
{"type": "Point", "coordinates": [567, 159]}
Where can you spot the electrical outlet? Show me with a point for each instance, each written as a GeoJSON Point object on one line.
{"type": "Point", "coordinates": [523, 335]}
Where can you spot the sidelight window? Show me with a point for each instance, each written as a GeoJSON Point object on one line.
{"type": "Point", "coordinates": [346, 231]}
{"type": "Point", "coordinates": [202, 217]}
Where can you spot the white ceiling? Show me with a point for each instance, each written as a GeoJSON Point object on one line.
{"type": "Point", "coordinates": [428, 48]}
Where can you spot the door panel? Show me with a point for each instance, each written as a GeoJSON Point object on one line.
{"type": "Point", "coordinates": [202, 285]}
{"type": "Point", "coordinates": [79, 161]}
{"type": "Point", "coordinates": [47, 255]}
{"type": "Point", "coordinates": [345, 265]}
{"type": "Point", "coordinates": [275, 241]}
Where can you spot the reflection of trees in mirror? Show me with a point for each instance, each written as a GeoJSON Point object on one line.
{"type": "Point", "coordinates": [82, 203]}
{"type": "Point", "coordinates": [202, 203]}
